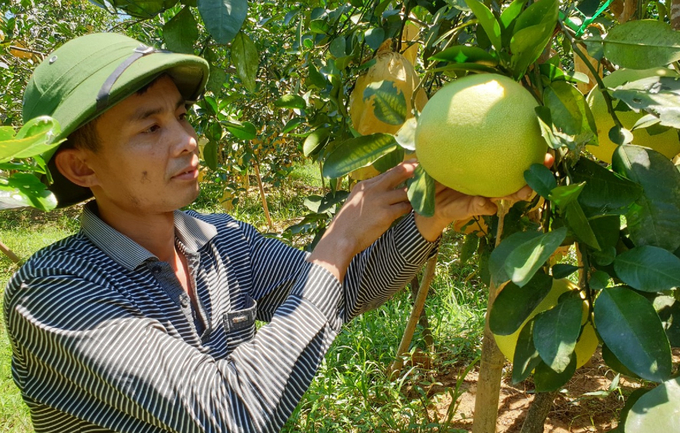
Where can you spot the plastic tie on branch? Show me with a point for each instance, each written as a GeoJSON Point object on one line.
{"type": "Point", "coordinates": [579, 30]}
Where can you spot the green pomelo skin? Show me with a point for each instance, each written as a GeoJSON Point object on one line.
{"type": "Point", "coordinates": [666, 143]}
{"type": "Point", "coordinates": [478, 135]}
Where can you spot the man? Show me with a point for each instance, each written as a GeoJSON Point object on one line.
{"type": "Point", "coordinates": [144, 321]}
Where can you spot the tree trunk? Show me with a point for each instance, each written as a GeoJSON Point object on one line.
{"type": "Point", "coordinates": [675, 14]}
{"type": "Point", "coordinates": [538, 412]}
{"type": "Point", "coordinates": [492, 362]}
{"type": "Point", "coordinates": [262, 195]}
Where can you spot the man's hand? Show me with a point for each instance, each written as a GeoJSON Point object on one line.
{"type": "Point", "coordinates": [452, 205]}
{"type": "Point", "coordinates": [370, 209]}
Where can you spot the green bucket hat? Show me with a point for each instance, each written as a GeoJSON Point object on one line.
{"type": "Point", "coordinates": [90, 74]}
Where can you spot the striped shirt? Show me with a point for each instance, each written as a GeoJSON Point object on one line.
{"type": "Point", "coordinates": [104, 338]}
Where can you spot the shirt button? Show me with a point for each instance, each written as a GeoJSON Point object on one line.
{"type": "Point", "coordinates": [156, 269]}
{"type": "Point", "coordinates": [184, 301]}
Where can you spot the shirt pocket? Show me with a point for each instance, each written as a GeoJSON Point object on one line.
{"type": "Point", "coordinates": [239, 325]}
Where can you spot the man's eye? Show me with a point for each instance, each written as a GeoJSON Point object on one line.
{"type": "Point", "coordinates": [152, 129]}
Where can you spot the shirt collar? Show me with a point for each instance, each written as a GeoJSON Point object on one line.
{"type": "Point", "coordinates": [192, 232]}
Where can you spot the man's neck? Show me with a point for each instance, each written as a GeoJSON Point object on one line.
{"type": "Point", "coordinates": [155, 232]}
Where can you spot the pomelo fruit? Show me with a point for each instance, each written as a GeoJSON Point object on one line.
{"type": "Point", "coordinates": [587, 342]}
{"type": "Point", "coordinates": [666, 143]}
{"type": "Point", "coordinates": [478, 135]}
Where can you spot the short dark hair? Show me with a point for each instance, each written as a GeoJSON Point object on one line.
{"type": "Point", "coordinates": [85, 137]}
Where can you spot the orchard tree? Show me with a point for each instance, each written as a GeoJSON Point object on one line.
{"type": "Point", "coordinates": [307, 78]}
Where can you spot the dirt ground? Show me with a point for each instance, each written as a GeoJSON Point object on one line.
{"type": "Point", "coordinates": [572, 412]}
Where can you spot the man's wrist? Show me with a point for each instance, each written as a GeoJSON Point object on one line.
{"type": "Point", "coordinates": [430, 228]}
{"type": "Point", "coordinates": [334, 254]}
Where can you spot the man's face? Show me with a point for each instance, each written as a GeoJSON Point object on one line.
{"type": "Point", "coordinates": [147, 161]}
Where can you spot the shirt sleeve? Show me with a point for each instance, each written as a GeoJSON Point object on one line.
{"type": "Point", "coordinates": [385, 267]}
{"type": "Point", "coordinates": [372, 278]}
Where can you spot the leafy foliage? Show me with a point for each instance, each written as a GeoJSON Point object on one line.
{"type": "Point", "coordinates": [281, 75]}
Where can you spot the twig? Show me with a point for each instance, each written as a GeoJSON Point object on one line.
{"type": "Point", "coordinates": [418, 305]}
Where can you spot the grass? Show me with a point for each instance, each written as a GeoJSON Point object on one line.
{"type": "Point", "coordinates": [351, 392]}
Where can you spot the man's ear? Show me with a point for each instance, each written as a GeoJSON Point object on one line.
{"type": "Point", "coordinates": [72, 163]}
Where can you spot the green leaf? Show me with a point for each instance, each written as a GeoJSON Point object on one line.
{"type": "Point", "coordinates": [657, 410]}
{"type": "Point", "coordinates": [292, 124]}
{"type": "Point", "coordinates": [356, 153]}
{"type": "Point", "coordinates": [216, 80]}
{"type": "Point", "coordinates": [540, 179]}
{"type": "Point", "coordinates": [318, 204]}
{"type": "Point", "coordinates": [642, 44]}
{"type": "Point", "coordinates": [406, 136]}
{"type": "Point", "coordinates": [389, 102]}
{"type": "Point", "coordinates": [599, 280]}
{"type": "Point", "coordinates": [514, 304]}
{"type": "Point", "coordinates": [500, 254]}
{"type": "Point", "coordinates": [548, 380]}
{"type": "Point", "coordinates": [526, 356]}
{"type": "Point", "coordinates": [613, 362]}
{"type": "Point", "coordinates": [512, 12]}
{"type": "Point", "coordinates": [34, 138]}
{"type": "Point", "coordinates": [243, 131]}
{"type": "Point", "coordinates": [604, 191]}
{"type": "Point", "coordinates": [654, 218]}
{"type": "Point", "coordinates": [140, 8]}
{"type": "Point", "coordinates": [632, 330]}
{"type": "Point", "coordinates": [223, 18]}
{"type": "Point", "coordinates": [466, 54]}
{"type": "Point", "coordinates": [374, 37]}
{"type": "Point", "coordinates": [181, 32]}
{"type": "Point", "coordinates": [566, 194]}
{"type": "Point", "coordinates": [210, 155]}
{"type": "Point", "coordinates": [6, 133]}
{"type": "Point", "coordinates": [668, 310]}
{"type": "Point", "coordinates": [579, 224]}
{"type": "Point", "coordinates": [338, 47]}
{"type": "Point", "coordinates": [315, 141]}
{"type": "Point", "coordinates": [531, 33]}
{"type": "Point", "coordinates": [421, 192]}
{"type": "Point", "coordinates": [556, 331]}
{"type": "Point", "coordinates": [648, 268]}
{"type": "Point", "coordinates": [488, 22]}
{"type": "Point", "coordinates": [315, 79]}
{"type": "Point", "coordinates": [562, 270]}
{"type": "Point", "coordinates": [290, 101]}
{"type": "Point", "coordinates": [245, 58]}
{"type": "Point", "coordinates": [389, 160]}
{"type": "Point", "coordinates": [657, 95]}
{"type": "Point", "coordinates": [570, 112]}
{"type": "Point", "coordinates": [540, 12]}
{"type": "Point", "coordinates": [523, 262]}
{"type": "Point", "coordinates": [470, 246]}
{"type": "Point", "coordinates": [545, 122]}
{"type": "Point", "coordinates": [32, 190]}
{"type": "Point", "coordinates": [319, 26]}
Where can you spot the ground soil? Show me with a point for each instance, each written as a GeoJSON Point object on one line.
{"type": "Point", "coordinates": [574, 411]}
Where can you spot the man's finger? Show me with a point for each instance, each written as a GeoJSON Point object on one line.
{"type": "Point", "coordinates": [398, 174]}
